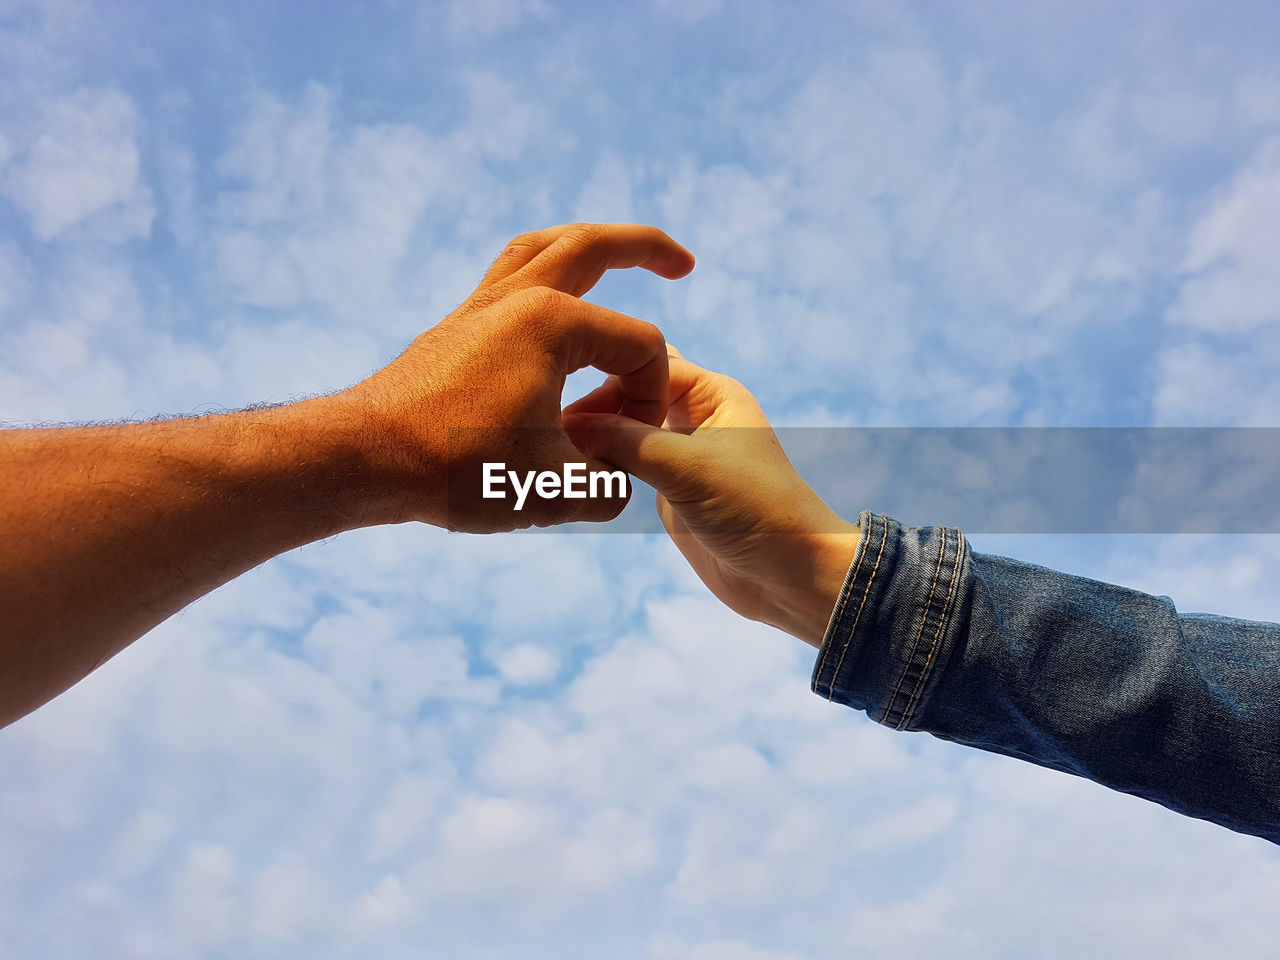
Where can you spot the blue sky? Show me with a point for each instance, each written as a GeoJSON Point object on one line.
{"type": "Point", "coordinates": [403, 742]}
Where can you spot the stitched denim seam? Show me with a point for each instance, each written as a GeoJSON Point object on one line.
{"type": "Point", "coordinates": [937, 637]}
{"type": "Point", "coordinates": [884, 537]}
{"type": "Point", "coordinates": [844, 600]}
{"type": "Point", "coordinates": [910, 659]}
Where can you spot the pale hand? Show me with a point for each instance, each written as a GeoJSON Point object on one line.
{"type": "Point", "coordinates": [755, 533]}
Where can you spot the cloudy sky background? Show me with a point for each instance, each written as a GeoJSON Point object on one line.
{"type": "Point", "coordinates": [403, 742]}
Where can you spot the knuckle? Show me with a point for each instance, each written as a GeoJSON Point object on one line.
{"type": "Point", "coordinates": [585, 234]}
{"type": "Point", "coordinates": [731, 386]}
{"type": "Point", "coordinates": [517, 251]}
{"type": "Point", "coordinates": [510, 254]}
{"type": "Point", "coordinates": [482, 299]}
{"type": "Point", "coordinates": [539, 314]}
{"type": "Point", "coordinates": [520, 243]}
{"type": "Point", "coordinates": [541, 301]}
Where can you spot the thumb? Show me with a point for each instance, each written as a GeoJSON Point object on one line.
{"type": "Point", "coordinates": [669, 462]}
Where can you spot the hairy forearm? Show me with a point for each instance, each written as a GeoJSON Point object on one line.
{"type": "Point", "coordinates": [109, 530]}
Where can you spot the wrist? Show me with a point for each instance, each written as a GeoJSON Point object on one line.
{"type": "Point", "coordinates": [341, 464]}
{"type": "Point", "coordinates": [803, 606]}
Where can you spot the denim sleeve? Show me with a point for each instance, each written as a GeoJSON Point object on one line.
{"type": "Point", "coordinates": [1069, 673]}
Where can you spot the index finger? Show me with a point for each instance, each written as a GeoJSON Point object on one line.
{"type": "Point", "coordinates": [634, 351]}
{"type": "Point", "coordinates": [683, 378]}
{"type": "Point", "coordinates": [577, 255]}
{"type": "Point", "coordinates": [519, 251]}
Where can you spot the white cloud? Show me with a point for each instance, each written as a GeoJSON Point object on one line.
{"type": "Point", "coordinates": [283, 904]}
{"type": "Point", "coordinates": [203, 899]}
{"type": "Point", "coordinates": [384, 908]}
{"type": "Point", "coordinates": [15, 283]}
{"type": "Point", "coordinates": [705, 654]}
{"type": "Point", "coordinates": [606, 196]}
{"type": "Point", "coordinates": [141, 842]}
{"type": "Point", "coordinates": [317, 212]}
{"type": "Point", "coordinates": [81, 162]}
{"type": "Point", "coordinates": [526, 857]}
{"type": "Point", "coordinates": [1257, 99]}
{"type": "Point", "coordinates": [1201, 385]}
{"type": "Point", "coordinates": [1223, 575]}
{"type": "Point", "coordinates": [318, 219]}
{"type": "Point", "coordinates": [526, 664]}
{"type": "Point", "coordinates": [687, 11]}
{"type": "Point", "coordinates": [726, 865]}
{"type": "Point", "coordinates": [379, 659]}
{"type": "Point", "coordinates": [470, 19]}
{"type": "Point", "coordinates": [502, 118]}
{"type": "Point", "coordinates": [1094, 141]}
{"type": "Point", "coordinates": [674, 948]}
{"type": "Point", "coordinates": [407, 813]}
{"type": "Point", "coordinates": [898, 207]}
{"type": "Point", "coordinates": [178, 172]}
{"type": "Point", "coordinates": [689, 759]}
{"type": "Point", "coordinates": [1233, 261]}
{"type": "Point", "coordinates": [922, 821]}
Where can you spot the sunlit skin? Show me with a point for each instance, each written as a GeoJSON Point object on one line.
{"type": "Point", "coordinates": [110, 530]}
{"type": "Point", "coordinates": [759, 537]}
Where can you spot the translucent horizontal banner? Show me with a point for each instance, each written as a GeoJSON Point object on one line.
{"type": "Point", "coordinates": [983, 480]}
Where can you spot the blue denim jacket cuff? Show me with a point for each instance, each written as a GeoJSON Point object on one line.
{"type": "Point", "coordinates": [896, 621]}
